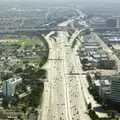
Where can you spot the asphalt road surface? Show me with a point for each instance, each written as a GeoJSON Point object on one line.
{"type": "Point", "coordinates": [63, 95]}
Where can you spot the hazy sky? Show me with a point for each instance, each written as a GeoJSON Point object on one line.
{"type": "Point", "coordinates": [66, 0]}
{"type": "Point", "coordinates": [60, 1]}
{"type": "Point", "coordinates": [91, 3]}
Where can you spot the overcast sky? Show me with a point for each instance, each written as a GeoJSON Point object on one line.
{"type": "Point", "coordinates": [91, 3]}
{"type": "Point", "coordinates": [65, 0]}
{"type": "Point", "coordinates": [60, 1]}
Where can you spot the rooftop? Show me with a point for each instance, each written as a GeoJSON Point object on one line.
{"type": "Point", "coordinates": [14, 80]}
{"type": "Point", "coordinates": [102, 82]}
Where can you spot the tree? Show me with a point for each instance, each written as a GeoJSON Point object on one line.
{"type": "Point", "coordinates": [5, 103]}
{"type": "Point", "coordinates": [15, 100]}
{"type": "Point", "coordinates": [89, 106]}
{"type": "Point", "coordinates": [24, 108]}
{"type": "Point", "coordinates": [89, 79]}
{"type": "Point", "coordinates": [112, 115]}
{"type": "Point", "coordinates": [6, 76]}
{"type": "Point", "coordinates": [19, 70]}
{"type": "Point", "coordinates": [93, 115]}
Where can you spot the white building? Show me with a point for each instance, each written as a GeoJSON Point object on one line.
{"type": "Point", "coordinates": [10, 85]}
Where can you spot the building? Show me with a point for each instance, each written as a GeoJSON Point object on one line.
{"type": "Point", "coordinates": [113, 22]}
{"type": "Point", "coordinates": [106, 63]}
{"type": "Point", "coordinates": [96, 22]}
{"type": "Point", "coordinates": [9, 86]}
{"type": "Point", "coordinates": [115, 88]}
{"type": "Point", "coordinates": [114, 40]}
{"type": "Point", "coordinates": [108, 90]}
{"type": "Point", "coordinates": [103, 88]}
{"type": "Point", "coordinates": [92, 55]}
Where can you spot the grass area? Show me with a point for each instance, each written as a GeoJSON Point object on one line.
{"type": "Point", "coordinates": [23, 41]}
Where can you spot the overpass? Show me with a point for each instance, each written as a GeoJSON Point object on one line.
{"type": "Point", "coordinates": [36, 29]}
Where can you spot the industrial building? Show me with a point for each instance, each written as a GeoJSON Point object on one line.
{"type": "Point", "coordinates": [93, 56]}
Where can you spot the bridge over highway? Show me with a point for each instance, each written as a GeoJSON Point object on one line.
{"type": "Point", "coordinates": [36, 29]}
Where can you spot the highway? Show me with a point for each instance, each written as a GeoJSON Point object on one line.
{"type": "Point", "coordinates": [66, 90]}
{"type": "Point", "coordinates": [63, 95]}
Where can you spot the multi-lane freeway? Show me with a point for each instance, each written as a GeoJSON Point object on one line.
{"type": "Point", "coordinates": [63, 95]}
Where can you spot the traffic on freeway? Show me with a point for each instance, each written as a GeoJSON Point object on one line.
{"type": "Point", "coordinates": [63, 89]}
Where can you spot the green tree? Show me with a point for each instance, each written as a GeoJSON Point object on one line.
{"type": "Point", "coordinates": [89, 106]}
{"type": "Point", "coordinates": [24, 108]}
{"type": "Point", "coordinates": [5, 102]}
{"type": "Point", "coordinates": [19, 70]}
